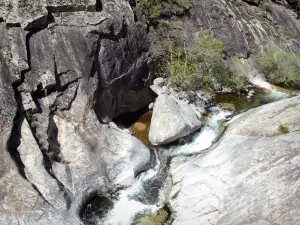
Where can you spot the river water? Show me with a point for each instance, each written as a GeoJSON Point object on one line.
{"type": "Point", "coordinates": [143, 196]}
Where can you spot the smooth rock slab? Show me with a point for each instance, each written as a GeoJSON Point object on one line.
{"type": "Point", "coordinates": [251, 176]}
{"type": "Point", "coordinates": [171, 120]}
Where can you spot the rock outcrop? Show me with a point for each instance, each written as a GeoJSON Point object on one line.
{"type": "Point", "coordinates": [245, 26]}
{"type": "Point", "coordinates": [172, 119]}
{"type": "Point", "coordinates": [67, 66]}
{"type": "Point", "coordinates": [251, 176]}
{"type": "Point", "coordinates": [94, 43]}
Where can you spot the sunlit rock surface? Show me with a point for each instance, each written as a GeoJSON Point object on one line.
{"type": "Point", "coordinates": [251, 176]}
{"type": "Point", "coordinates": [171, 120]}
{"type": "Point", "coordinates": [66, 66]}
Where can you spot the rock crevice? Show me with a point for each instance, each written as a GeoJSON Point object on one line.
{"type": "Point", "coordinates": [72, 55]}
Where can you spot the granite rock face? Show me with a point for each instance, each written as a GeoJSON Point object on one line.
{"type": "Point", "coordinates": [67, 66]}
{"type": "Point", "coordinates": [246, 26]}
{"type": "Point", "coordinates": [171, 120]}
{"type": "Point", "coordinates": [251, 176]}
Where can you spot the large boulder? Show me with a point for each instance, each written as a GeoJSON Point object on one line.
{"type": "Point", "coordinates": [172, 119]}
{"type": "Point", "coordinates": [251, 176]}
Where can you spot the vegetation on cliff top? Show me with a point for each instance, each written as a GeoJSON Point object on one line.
{"type": "Point", "coordinates": [192, 63]}
{"type": "Point", "coordinates": [153, 9]}
{"type": "Point", "coordinates": [193, 60]}
{"type": "Point", "coordinates": [279, 67]}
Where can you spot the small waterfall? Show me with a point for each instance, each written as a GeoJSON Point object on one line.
{"type": "Point", "coordinates": [130, 203]}
{"type": "Point", "coordinates": [273, 96]}
{"type": "Point", "coordinates": [142, 197]}
{"type": "Point", "coordinates": [209, 133]}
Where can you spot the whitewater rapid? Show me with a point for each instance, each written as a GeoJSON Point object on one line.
{"type": "Point", "coordinates": [127, 207]}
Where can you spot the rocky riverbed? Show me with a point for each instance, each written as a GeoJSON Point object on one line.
{"type": "Point", "coordinates": [167, 178]}
{"type": "Point", "coordinates": [70, 68]}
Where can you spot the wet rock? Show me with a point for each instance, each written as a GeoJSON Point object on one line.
{"type": "Point", "coordinates": [159, 218]}
{"type": "Point", "coordinates": [250, 176]}
{"type": "Point", "coordinates": [264, 121]}
{"type": "Point", "coordinates": [97, 208]}
{"type": "Point", "coordinates": [227, 106]}
{"type": "Point", "coordinates": [140, 129]}
{"type": "Point", "coordinates": [171, 120]}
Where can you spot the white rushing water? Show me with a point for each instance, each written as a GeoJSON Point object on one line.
{"type": "Point", "coordinates": [207, 135]}
{"type": "Point", "coordinates": [211, 130]}
{"type": "Point", "coordinates": [273, 96]}
{"type": "Point", "coordinates": [126, 208]}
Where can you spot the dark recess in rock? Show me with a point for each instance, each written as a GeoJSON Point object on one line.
{"type": "Point", "coordinates": [252, 3]}
{"type": "Point", "coordinates": [98, 5]}
{"type": "Point", "coordinates": [295, 4]}
{"type": "Point", "coordinates": [96, 207]}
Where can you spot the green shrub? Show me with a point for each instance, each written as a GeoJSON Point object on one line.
{"type": "Point", "coordinates": [283, 128]}
{"type": "Point", "coordinates": [29, 115]}
{"type": "Point", "coordinates": [183, 3]}
{"type": "Point", "coordinates": [176, 7]}
{"type": "Point", "coordinates": [280, 67]}
{"type": "Point", "coordinates": [263, 4]}
{"type": "Point", "coordinates": [198, 65]}
{"type": "Point", "coordinates": [150, 8]}
{"type": "Point", "coordinates": [240, 70]}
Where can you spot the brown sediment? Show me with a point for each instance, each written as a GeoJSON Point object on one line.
{"type": "Point", "coordinates": [158, 219]}
{"type": "Point", "coordinates": [141, 128]}
{"type": "Point", "coordinates": [237, 103]}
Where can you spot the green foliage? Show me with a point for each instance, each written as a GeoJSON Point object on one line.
{"type": "Point", "coordinates": [150, 8]}
{"type": "Point", "coordinates": [240, 70]}
{"type": "Point", "coordinates": [183, 3]}
{"type": "Point", "coordinates": [176, 7]}
{"type": "Point", "coordinates": [283, 128]}
{"type": "Point", "coordinates": [29, 115]}
{"type": "Point", "coordinates": [198, 65]}
{"type": "Point", "coordinates": [263, 4]}
{"type": "Point", "coordinates": [279, 67]}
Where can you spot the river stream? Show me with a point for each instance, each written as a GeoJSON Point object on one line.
{"type": "Point", "coordinates": [142, 197]}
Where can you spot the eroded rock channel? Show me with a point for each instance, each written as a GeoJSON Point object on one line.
{"type": "Point", "coordinates": [156, 188]}
{"type": "Point", "coordinates": [70, 69]}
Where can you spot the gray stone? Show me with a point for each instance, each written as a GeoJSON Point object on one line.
{"type": "Point", "coordinates": [249, 177]}
{"type": "Point", "coordinates": [158, 90]}
{"type": "Point", "coordinates": [171, 120]}
{"type": "Point", "coordinates": [244, 26]}
{"type": "Point", "coordinates": [159, 81]}
{"type": "Point", "coordinates": [78, 61]}
{"type": "Point", "coordinates": [32, 158]}
{"type": "Point", "coordinates": [151, 105]}
{"type": "Point", "coordinates": [112, 156]}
